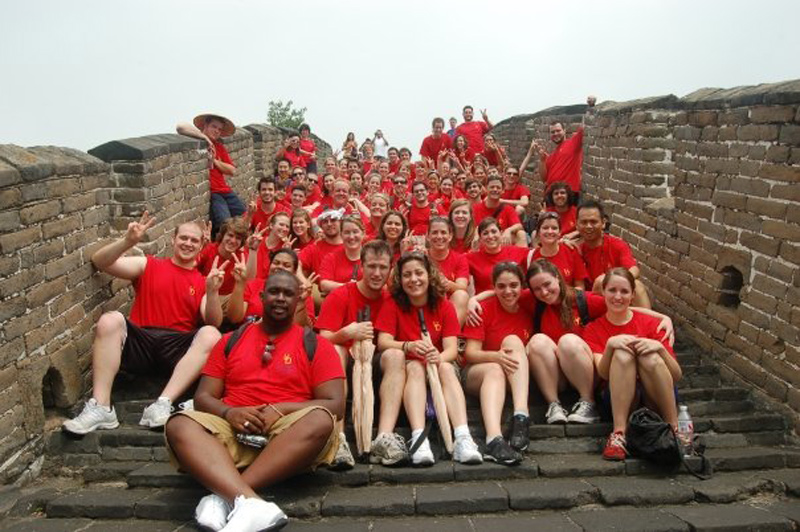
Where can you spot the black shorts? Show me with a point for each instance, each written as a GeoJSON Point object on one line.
{"type": "Point", "coordinates": [150, 350]}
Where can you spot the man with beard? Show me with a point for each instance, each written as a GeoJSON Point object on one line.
{"type": "Point", "coordinates": [265, 410]}
{"type": "Point", "coordinates": [474, 130]}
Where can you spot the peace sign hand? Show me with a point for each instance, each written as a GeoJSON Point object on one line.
{"type": "Point", "coordinates": [288, 242]}
{"type": "Point", "coordinates": [136, 230]}
{"type": "Point", "coordinates": [254, 240]}
{"type": "Point", "coordinates": [239, 271]}
{"type": "Point", "coordinates": [216, 275]}
{"type": "Point", "coordinates": [484, 115]}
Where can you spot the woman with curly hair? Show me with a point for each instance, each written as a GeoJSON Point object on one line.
{"type": "Point", "coordinates": [393, 230]}
{"type": "Point", "coordinates": [417, 298]}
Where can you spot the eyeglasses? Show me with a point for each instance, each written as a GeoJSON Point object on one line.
{"type": "Point", "coordinates": [511, 173]}
{"type": "Point", "coordinates": [266, 356]}
{"type": "Point", "coordinates": [400, 182]}
{"type": "Point", "coordinates": [297, 174]}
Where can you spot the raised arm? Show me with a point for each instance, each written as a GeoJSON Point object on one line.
{"type": "Point", "coordinates": [109, 258]}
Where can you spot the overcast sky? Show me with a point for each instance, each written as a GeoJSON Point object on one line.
{"type": "Point", "coordinates": [79, 73]}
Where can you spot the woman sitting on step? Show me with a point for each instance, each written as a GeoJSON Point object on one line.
{"type": "Point", "coordinates": [418, 300]}
{"type": "Point", "coordinates": [495, 358]}
{"type": "Point", "coordinates": [633, 358]}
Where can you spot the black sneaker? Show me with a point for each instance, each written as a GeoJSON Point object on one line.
{"type": "Point", "coordinates": [498, 450]}
{"type": "Point", "coordinates": [520, 426]}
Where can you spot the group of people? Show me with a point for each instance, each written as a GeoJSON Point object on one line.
{"type": "Point", "coordinates": [428, 261]}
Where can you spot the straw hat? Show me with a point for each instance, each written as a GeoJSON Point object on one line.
{"type": "Point", "coordinates": [200, 122]}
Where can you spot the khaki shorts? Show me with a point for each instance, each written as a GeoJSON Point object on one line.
{"type": "Point", "coordinates": [244, 455]}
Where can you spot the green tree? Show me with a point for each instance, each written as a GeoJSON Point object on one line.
{"type": "Point", "coordinates": [284, 115]}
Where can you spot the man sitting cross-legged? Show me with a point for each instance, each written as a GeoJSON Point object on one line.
{"type": "Point", "coordinates": [163, 333]}
{"type": "Point", "coordinates": [338, 318]}
{"type": "Point", "coordinates": [276, 380]}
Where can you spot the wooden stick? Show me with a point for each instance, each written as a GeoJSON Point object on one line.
{"type": "Point", "coordinates": [356, 388]}
{"type": "Point", "coordinates": [368, 407]}
{"type": "Point", "coordinates": [439, 404]}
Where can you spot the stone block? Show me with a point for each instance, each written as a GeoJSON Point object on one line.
{"type": "Point", "coordinates": [11, 242]}
{"type": "Point", "coordinates": [762, 244]}
{"type": "Point", "coordinates": [790, 134]}
{"type": "Point", "coordinates": [754, 133]}
{"type": "Point", "coordinates": [374, 500]}
{"type": "Point", "coordinates": [549, 522]}
{"type": "Point", "coordinates": [729, 517]}
{"type": "Point", "coordinates": [548, 494]}
{"type": "Point", "coordinates": [577, 465]}
{"type": "Point", "coordinates": [97, 503]}
{"type": "Point", "coordinates": [460, 499]}
{"type": "Point", "coordinates": [781, 230]}
{"type": "Point", "coordinates": [780, 172]}
{"type": "Point", "coordinates": [626, 520]}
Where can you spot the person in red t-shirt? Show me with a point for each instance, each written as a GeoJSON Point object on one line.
{"type": "Point", "coordinates": [308, 149]}
{"type": "Point", "coordinates": [494, 154]}
{"type": "Point", "coordinates": [436, 142]}
{"type": "Point", "coordinates": [302, 229]}
{"type": "Point", "coordinates": [602, 251]}
{"type": "Point", "coordinates": [290, 151]}
{"type": "Point", "coordinates": [452, 266]}
{"type": "Point", "coordinates": [264, 206]}
{"type": "Point", "coordinates": [313, 255]}
{"type": "Point", "coordinates": [394, 230]}
{"type": "Point", "coordinates": [164, 333]}
{"type": "Point", "coordinates": [515, 193]}
{"type": "Point", "coordinates": [491, 252]}
{"type": "Point", "coordinates": [230, 243]}
{"type": "Point", "coordinates": [503, 213]}
{"type": "Point", "coordinates": [462, 153]}
{"type": "Point", "coordinates": [266, 385]}
{"type": "Point", "coordinates": [474, 130]}
{"type": "Point", "coordinates": [416, 296]}
{"type": "Point", "coordinates": [561, 199]}
{"type": "Point", "coordinates": [339, 318]}
{"type": "Point", "coordinates": [465, 237]}
{"type": "Point", "coordinates": [245, 299]}
{"type": "Point", "coordinates": [394, 160]}
{"type": "Point", "coordinates": [211, 128]}
{"type": "Point", "coordinates": [448, 193]}
{"type": "Point", "coordinates": [567, 260]}
{"type": "Point", "coordinates": [378, 206]}
{"type": "Point", "coordinates": [341, 199]}
{"type": "Point", "coordinates": [631, 355]}
{"type": "Point", "coordinates": [344, 264]}
{"type": "Point", "coordinates": [474, 191]}
{"type": "Point", "coordinates": [421, 209]}
{"type": "Point", "coordinates": [279, 237]}
{"type": "Point", "coordinates": [495, 358]}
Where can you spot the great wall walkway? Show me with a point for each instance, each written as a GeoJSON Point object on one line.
{"type": "Point", "coordinates": [120, 481]}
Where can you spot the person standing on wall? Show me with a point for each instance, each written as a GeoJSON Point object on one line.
{"type": "Point", "coordinates": [211, 128]}
{"type": "Point", "coordinates": [565, 161]}
{"type": "Point", "coordinates": [474, 130]}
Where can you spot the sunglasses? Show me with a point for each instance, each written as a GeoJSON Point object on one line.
{"type": "Point", "coordinates": [297, 174]}
{"type": "Point", "coordinates": [266, 356]}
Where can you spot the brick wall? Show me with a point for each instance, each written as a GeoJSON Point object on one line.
{"type": "Point", "coordinates": [57, 206]}
{"type": "Point", "coordinates": [696, 185]}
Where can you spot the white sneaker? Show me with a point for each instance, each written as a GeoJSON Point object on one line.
{"type": "Point", "coordinates": [157, 414]}
{"type": "Point", "coordinates": [212, 512]}
{"type": "Point", "coordinates": [556, 413]}
{"type": "Point", "coordinates": [465, 451]}
{"type": "Point", "coordinates": [343, 461]}
{"type": "Point", "coordinates": [583, 412]}
{"type": "Point", "coordinates": [186, 406]}
{"type": "Point", "coordinates": [423, 456]}
{"type": "Point", "coordinates": [93, 416]}
{"type": "Point", "coordinates": [254, 515]}
{"type": "Point", "coordinates": [389, 450]}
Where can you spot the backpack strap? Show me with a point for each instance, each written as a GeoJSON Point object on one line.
{"type": "Point", "coordinates": [237, 334]}
{"type": "Point", "coordinates": [583, 307]}
{"type": "Point", "coordinates": [309, 342]}
{"type": "Point", "coordinates": [354, 275]}
{"type": "Point", "coordinates": [537, 316]}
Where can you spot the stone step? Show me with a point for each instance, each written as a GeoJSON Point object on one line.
{"type": "Point", "coordinates": [577, 463]}
{"type": "Point", "coordinates": [307, 502]}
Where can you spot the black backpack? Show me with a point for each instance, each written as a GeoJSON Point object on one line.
{"type": "Point", "coordinates": [580, 301]}
{"type": "Point", "coordinates": [309, 339]}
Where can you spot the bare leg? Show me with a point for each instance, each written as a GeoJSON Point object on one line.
{"type": "Point", "coordinates": [459, 299]}
{"type": "Point", "coordinates": [577, 363]}
{"type": "Point", "coordinates": [640, 296]}
{"type": "Point", "coordinates": [415, 395]}
{"type": "Point", "coordinates": [107, 354]}
{"type": "Point", "coordinates": [544, 365]}
{"type": "Point", "coordinates": [393, 367]}
{"type": "Point", "coordinates": [488, 381]}
{"type": "Point", "coordinates": [519, 380]}
{"type": "Point", "coordinates": [191, 364]}
{"type": "Point", "coordinates": [622, 381]}
{"type": "Point", "coordinates": [658, 385]}
{"type": "Point", "coordinates": [453, 395]}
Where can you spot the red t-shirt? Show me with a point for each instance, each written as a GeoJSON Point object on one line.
{"type": "Point", "coordinates": [458, 244]}
{"type": "Point", "coordinates": [506, 217]}
{"type": "Point", "coordinates": [206, 259]}
{"type": "Point", "coordinates": [215, 175]}
{"type": "Point", "coordinates": [499, 323]}
{"type": "Point", "coordinates": [431, 146]}
{"type": "Point", "coordinates": [564, 164]}
{"type": "Point", "coordinates": [314, 195]}
{"type": "Point", "coordinates": [516, 193]}
{"type": "Point", "coordinates": [168, 296]}
{"type": "Point", "coordinates": [341, 308]}
{"type": "Point", "coordinates": [255, 307]}
{"type": "Point", "coordinates": [263, 260]}
{"type": "Point", "coordinates": [261, 218]}
{"type": "Point", "coordinates": [294, 158]}
{"type": "Point", "coordinates": [474, 131]}
{"type": "Point", "coordinates": [551, 317]}
{"type": "Point", "coordinates": [481, 264]}
{"type": "Point", "coordinates": [309, 146]}
{"type": "Point", "coordinates": [567, 220]}
{"type": "Point", "coordinates": [567, 260]}
{"type": "Point", "coordinates": [312, 256]}
{"type": "Point", "coordinates": [337, 267]}
{"type": "Point", "coordinates": [420, 217]}
{"type": "Point", "coordinates": [454, 266]}
{"type": "Point", "coordinates": [597, 333]}
{"type": "Point", "coordinates": [404, 325]}
{"type": "Point", "coordinates": [611, 253]}
{"type": "Point", "coordinates": [494, 156]}
{"type": "Point", "coordinates": [288, 378]}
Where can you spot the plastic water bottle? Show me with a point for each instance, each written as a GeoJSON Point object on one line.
{"type": "Point", "coordinates": [685, 430]}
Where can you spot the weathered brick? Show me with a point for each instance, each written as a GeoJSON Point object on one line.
{"type": "Point", "coordinates": [767, 207]}
{"type": "Point", "coordinates": [790, 134]}
{"type": "Point", "coordinates": [761, 301]}
{"type": "Point", "coordinates": [95, 217]}
{"type": "Point", "coordinates": [23, 324]}
{"type": "Point", "coordinates": [732, 200]}
{"type": "Point", "coordinates": [79, 202]}
{"type": "Point", "coordinates": [781, 230]}
{"type": "Point", "coordinates": [21, 281]}
{"type": "Point", "coordinates": [778, 154]}
{"type": "Point", "coordinates": [63, 265]}
{"type": "Point", "coordinates": [61, 226]}
{"type": "Point", "coordinates": [741, 219]}
{"type": "Point", "coordinates": [44, 292]}
{"type": "Point", "coordinates": [42, 211]}
{"type": "Point", "coordinates": [10, 198]}
{"type": "Point", "coordinates": [788, 192]}
{"type": "Point", "coordinates": [47, 251]}
{"type": "Point", "coordinates": [775, 114]}
{"type": "Point", "coordinates": [59, 188]}
{"type": "Point", "coordinates": [9, 243]}
{"type": "Point", "coordinates": [41, 333]}
{"type": "Point", "coordinates": [780, 172]}
{"type": "Point", "coordinates": [753, 132]}
{"type": "Point", "coordinates": [790, 252]}
{"type": "Point", "coordinates": [762, 244]}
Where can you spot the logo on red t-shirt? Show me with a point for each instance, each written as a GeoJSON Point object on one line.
{"type": "Point", "coordinates": [437, 326]}
{"type": "Point", "coordinates": [287, 359]}
{"type": "Point", "coordinates": [191, 291]}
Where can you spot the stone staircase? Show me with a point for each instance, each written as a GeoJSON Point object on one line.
{"type": "Point", "coordinates": [120, 480]}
